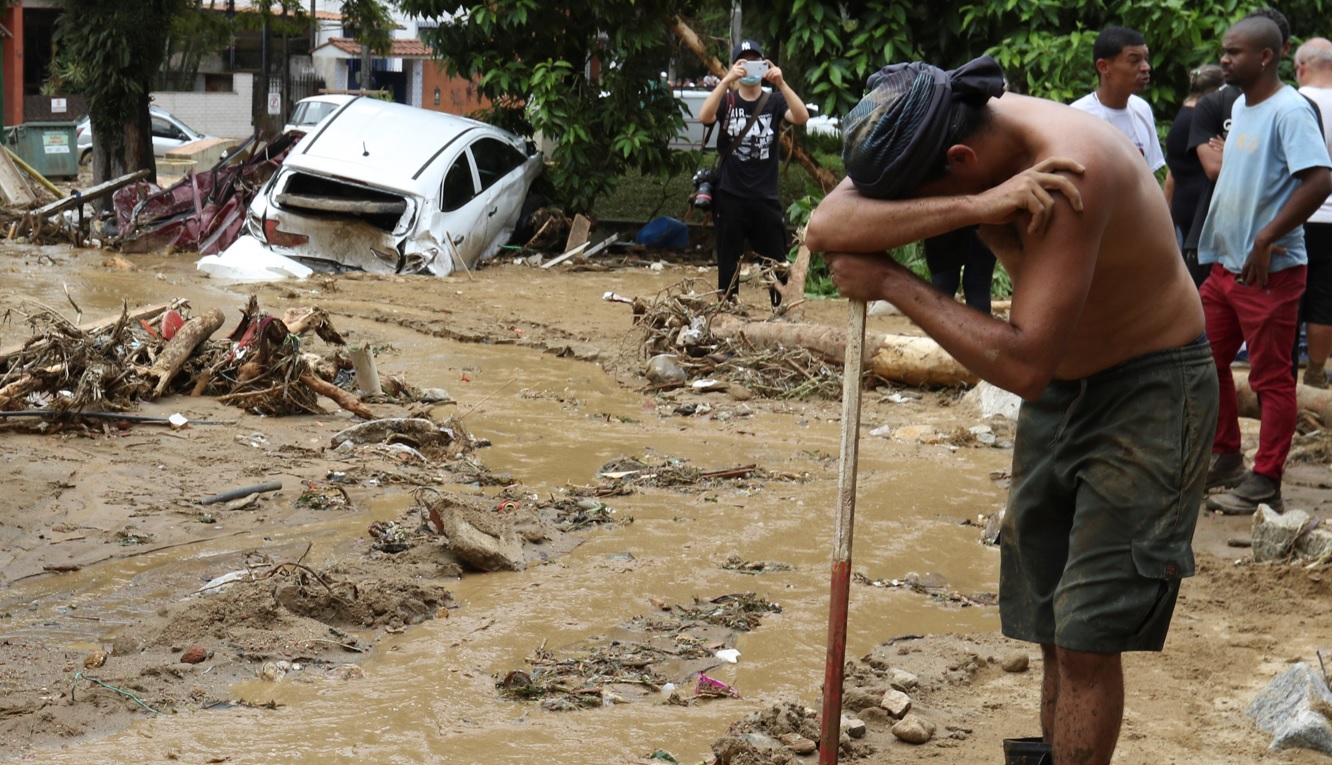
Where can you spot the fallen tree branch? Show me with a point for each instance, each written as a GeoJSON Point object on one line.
{"type": "Point", "coordinates": [900, 358]}
{"type": "Point", "coordinates": [342, 398]}
{"type": "Point", "coordinates": [179, 349]}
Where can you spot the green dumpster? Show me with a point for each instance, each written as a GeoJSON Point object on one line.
{"type": "Point", "coordinates": [49, 147]}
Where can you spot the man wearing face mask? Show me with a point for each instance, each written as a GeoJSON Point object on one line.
{"type": "Point", "coordinates": [745, 204]}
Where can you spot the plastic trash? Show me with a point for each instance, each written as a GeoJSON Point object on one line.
{"type": "Point", "coordinates": [248, 260]}
{"type": "Point", "coordinates": [731, 655]}
{"type": "Point", "coordinates": [664, 233]}
{"type": "Point", "coordinates": [664, 369]}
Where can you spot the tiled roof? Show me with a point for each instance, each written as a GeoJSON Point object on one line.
{"type": "Point", "coordinates": [402, 48]}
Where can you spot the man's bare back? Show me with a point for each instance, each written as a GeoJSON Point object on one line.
{"type": "Point", "coordinates": [1093, 286]}
{"type": "Point", "coordinates": [1141, 298]}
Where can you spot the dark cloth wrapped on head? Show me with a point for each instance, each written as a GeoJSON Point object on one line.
{"type": "Point", "coordinates": [893, 140]}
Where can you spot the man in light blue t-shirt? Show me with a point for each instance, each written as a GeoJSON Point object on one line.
{"type": "Point", "coordinates": [1275, 175]}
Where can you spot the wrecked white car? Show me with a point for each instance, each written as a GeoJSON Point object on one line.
{"type": "Point", "coordinates": [387, 188]}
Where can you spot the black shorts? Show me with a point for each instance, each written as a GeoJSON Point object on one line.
{"type": "Point", "coordinates": [1316, 306]}
{"type": "Point", "coordinates": [1108, 476]}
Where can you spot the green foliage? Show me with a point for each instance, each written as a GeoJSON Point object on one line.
{"type": "Point", "coordinates": [586, 76]}
{"type": "Point", "coordinates": [110, 52]}
{"type": "Point", "coordinates": [1045, 46]}
{"type": "Point", "coordinates": [195, 34]}
{"type": "Point", "coordinates": [371, 22]}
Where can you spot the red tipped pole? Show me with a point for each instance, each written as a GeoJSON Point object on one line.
{"type": "Point", "coordinates": [846, 513]}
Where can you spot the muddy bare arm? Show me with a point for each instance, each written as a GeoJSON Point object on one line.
{"type": "Point", "coordinates": [1023, 354]}
{"type": "Point", "coordinates": [846, 221]}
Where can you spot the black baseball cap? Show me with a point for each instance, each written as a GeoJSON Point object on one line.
{"type": "Point", "coordinates": [746, 46]}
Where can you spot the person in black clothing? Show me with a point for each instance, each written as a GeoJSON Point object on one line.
{"type": "Point", "coordinates": [959, 257]}
{"type": "Point", "coordinates": [745, 204]}
{"type": "Point", "coordinates": [1185, 178]}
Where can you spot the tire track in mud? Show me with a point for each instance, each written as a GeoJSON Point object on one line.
{"type": "Point", "coordinates": [543, 337]}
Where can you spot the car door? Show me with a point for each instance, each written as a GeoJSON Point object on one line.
{"type": "Point", "coordinates": [459, 218]}
{"type": "Point", "coordinates": [166, 135]}
{"type": "Point", "coordinates": [501, 187]}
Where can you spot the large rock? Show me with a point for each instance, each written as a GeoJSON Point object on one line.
{"type": "Point", "coordinates": [902, 680]}
{"type": "Point", "coordinates": [1292, 708]}
{"type": "Point", "coordinates": [991, 400]}
{"type": "Point", "coordinates": [481, 538]}
{"type": "Point", "coordinates": [1274, 533]}
{"type": "Point", "coordinates": [1016, 661]}
{"type": "Point", "coordinates": [856, 699]}
{"type": "Point", "coordinates": [914, 729]}
{"type": "Point", "coordinates": [896, 703]}
{"type": "Point", "coordinates": [853, 726]}
{"type": "Point", "coordinates": [1316, 545]}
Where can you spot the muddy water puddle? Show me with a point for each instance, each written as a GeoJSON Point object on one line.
{"type": "Point", "coordinates": [429, 694]}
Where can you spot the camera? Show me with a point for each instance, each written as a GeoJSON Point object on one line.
{"type": "Point", "coordinates": [704, 182]}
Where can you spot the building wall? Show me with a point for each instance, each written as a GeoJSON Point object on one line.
{"type": "Point", "coordinates": [222, 114]}
{"type": "Point", "coordinates": [13, 64]}
{"type": "Point", "coordinates": [456, 95]}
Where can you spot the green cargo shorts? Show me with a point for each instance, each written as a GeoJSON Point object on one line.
{"type": "Point", "coordinates": [1108, 475]}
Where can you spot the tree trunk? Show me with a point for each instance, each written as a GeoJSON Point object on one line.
{"type": "Point", "coordinates": [1318, 401]}
{"type": "Point", "coordinates": [793, 292]}
{"type": "Point", "coordinates": [139, 143]}
{"type": "Point", "coordinates": [899, 358]}
{"type": "Point", "coordinates": [342, 398]}
{"type": "Point", "coordinates": [181, 346]}
{"type": "Point", "coordinates": [825, 179]}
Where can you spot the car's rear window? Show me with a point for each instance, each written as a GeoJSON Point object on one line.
{"type": "Point", "coordinates": [313, 112]}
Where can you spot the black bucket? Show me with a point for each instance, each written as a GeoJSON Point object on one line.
{"type": "Point", "coordinates": [1027, 751]}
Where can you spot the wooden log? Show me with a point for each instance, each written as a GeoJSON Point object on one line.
{"type": "Point", "coordinates": [11, 395]}
{"type": "Point", "coordinates": [900, 358]}
{"type": "Point", "coordinates": [917, 361]}
{"type": "Point", "coordinates": [179, 349]}
{"type": "Point", "coordinates": [96, 192]}
{"type": "Point", "coordinates": [1317, 401]}
{"type": "Point", "coordinates": [339, 396]}
{"type": "Point", "coordinates": [793, 292]}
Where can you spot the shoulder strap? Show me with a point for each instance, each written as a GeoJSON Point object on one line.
{"type": "Point", "coordinates": [758, 109]}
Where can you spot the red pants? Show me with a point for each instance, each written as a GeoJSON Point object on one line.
{"type": "Point", "coordinates": [1267, 319]}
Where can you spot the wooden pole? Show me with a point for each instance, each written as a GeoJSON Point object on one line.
{"type": "Point", "coordinates": [840, 593]}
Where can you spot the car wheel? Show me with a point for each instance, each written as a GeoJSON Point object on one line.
{"type": "Point", "coordinates": [85, 157]}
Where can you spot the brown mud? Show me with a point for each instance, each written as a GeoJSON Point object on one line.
{"type": "Point", "coordinates": [351, 631]}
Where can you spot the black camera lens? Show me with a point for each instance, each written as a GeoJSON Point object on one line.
{"type": "Point", "coordinates": [702, 189]}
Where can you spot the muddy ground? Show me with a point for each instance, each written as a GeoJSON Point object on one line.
{"type": "Point", "coordinates": [107, 551]}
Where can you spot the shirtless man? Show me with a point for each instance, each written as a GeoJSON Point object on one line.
{"type": "Point", "coordinates": [1104, 344]}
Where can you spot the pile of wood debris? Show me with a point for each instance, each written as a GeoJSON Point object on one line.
{"type": "Point", "coordinates": [64, 370]}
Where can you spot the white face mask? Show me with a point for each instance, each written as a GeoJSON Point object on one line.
{"type": "Point", "coordinates": [754, 71]}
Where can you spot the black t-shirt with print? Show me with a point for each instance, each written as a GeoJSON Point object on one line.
{"type": "Point", "coordinates": [752, 166]}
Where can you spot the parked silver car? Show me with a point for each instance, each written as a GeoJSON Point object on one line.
{"type": "Point", "coordinates": [388, 188]}
{"type": "Point", "coordinates": [168, 133]}
{"type": "Point", "coordinates": [311, 111]}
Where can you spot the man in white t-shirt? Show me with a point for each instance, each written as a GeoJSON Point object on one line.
{"type": "Point", "coordinates": [1313, 70]}
{"type": "Point", "coordinates": [1123, 71]}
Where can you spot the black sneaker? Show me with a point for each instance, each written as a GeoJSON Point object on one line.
{"type": "Point", "coordinates": [1226, 470]}
{"type": "Point", "coordinates": [1256, 489]}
